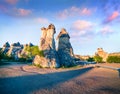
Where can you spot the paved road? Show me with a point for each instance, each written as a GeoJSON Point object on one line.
{"type": "Point", "coordinates": [15, 80]}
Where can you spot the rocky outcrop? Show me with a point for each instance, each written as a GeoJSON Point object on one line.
{"type": "Point", "coordinates": [5, 47]}
{"type": "Point", "coordinates": [100, 52]}
{"type": "Point", "coordinates": [47, 45]}
{"type": "Point", "coordinates": [65, 50]}
{"type": "Point", "coordinates": [14, 49]}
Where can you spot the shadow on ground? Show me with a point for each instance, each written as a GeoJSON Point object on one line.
{"type": "Point", "coordinates": [29, 83]}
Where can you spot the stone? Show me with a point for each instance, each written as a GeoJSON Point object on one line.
{"type": "Point", "coordinates": [47, 45]}
{"type": "Point", "coordinates": [65, 50]}
{"type": "Point", "coordinates": [100, 52]}
{"type": "Point", "coordinates": [6, 44]}
{"type": "Point", "coordinates": [5, 48]}
{"type": "Point", "coordinates": [30, 44]}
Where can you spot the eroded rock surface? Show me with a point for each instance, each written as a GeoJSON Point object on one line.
{"type": "Point", "coordinates": [65, 50]}
{"type": "Point", "coordinates": [47, 45]}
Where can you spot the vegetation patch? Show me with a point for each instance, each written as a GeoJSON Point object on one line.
{"type": "Point", "coordinates": [113, 59]}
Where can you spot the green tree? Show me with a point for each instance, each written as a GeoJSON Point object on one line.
{"type": "Point", "coordinates": [113, 59]}
{"type": "Point", "coordinates": [98, 59]}
{"type": "Point", "coordinates": [34, 50]}
{"type": "Point", "coordinates": [90, 59]}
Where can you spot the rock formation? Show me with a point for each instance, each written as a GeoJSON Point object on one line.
{"type": "Point", "coordinates": [65, 50]}
{"type": "Point", "coordinates": [100, 52]}
{"type": "Point", "coordinates": [47, 45]}
{"type": "Point", "coordinates": [6, 47]}
{"type": "Point", "coordinates": [14, 49]}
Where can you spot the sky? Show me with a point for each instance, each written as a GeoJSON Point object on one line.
{"type": "Point", "coordinates": [91, 24]}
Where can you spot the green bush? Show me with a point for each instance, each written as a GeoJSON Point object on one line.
{"type": "Point", "coordinates": [90, 59]}
{"type": "Point", "coordinates": [98, 59]}
{"type": "Point", "coordinates": [34, 50]}
{"type": "Point", "coordinates": [113, 59]}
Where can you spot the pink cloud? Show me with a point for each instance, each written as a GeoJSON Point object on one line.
{"type": "Point", "coordinates": [112, 17]}
{"type": "Point", "coordinates": [12, 2]}
{"type": "Point", "coordinates": [86, 11]}
{"type": "Point", "coordinates": [42, 20]}
{"type": "Point", "coordinates": [106, 30]}
{"type": "Point", "coordinates": [73, 11]}
{"type": "Point", "coordinates": [82, 25]}
{"type": "Point", "coordinates": [22, 12]}
{"type": "Point", "coordinates": [3, 8]}
{"type": "Point", "coordinates": [82, 28]}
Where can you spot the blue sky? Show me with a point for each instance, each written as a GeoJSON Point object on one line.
{"type": "Point", "coordinates": [90, 23]}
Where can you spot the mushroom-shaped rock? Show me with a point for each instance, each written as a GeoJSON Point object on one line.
{"type": "Point", "coordinates": [65, 50]}
{"type": "Point", "coordinates": [47, 46]}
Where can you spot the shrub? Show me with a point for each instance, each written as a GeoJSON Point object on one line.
{"type": "Point", "coordinates": [113, 59]}
{"type": "Point", "coordinates": [34, 50]}
{"type": "Point", "coordinates": [98, 59]}
{"type": "Point", "coordinates": [90, 59]}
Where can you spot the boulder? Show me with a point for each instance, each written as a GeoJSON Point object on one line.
{"type": "Point", "coordinates": [65, 50]}
{"type": "Point", "coordinates": [47, 45]}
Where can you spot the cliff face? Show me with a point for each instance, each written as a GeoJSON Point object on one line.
{"type": "Point", "coordinates": [65, 50]}
{"type": "Point", "coordinates": [47, 45]}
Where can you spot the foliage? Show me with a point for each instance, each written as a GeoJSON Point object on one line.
{"type": "Point", "coordinates": [34, 50]}
{"type": "Point", "coordinates": [113, 59]}
{"type": "Point", "coordinates": [1, 55]}
{"type": "Point", "coordinates": [98, 59]}
{"type": "Point", "coordinates": [90, 59]}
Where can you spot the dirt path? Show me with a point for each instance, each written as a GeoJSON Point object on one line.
{"type": "Point", "coordinates": [24, 79]}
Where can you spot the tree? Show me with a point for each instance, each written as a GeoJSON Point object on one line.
{"type": "Point", "coordinates": [34, 50]}
{"type": "Point", "coordinates": [113, 59]}
{"type": "Point", "coordinates": [90, 59]}
{"type": "Point", "coordinates": [98, 59]}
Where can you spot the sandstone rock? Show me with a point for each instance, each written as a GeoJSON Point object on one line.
{"type": "Point", "coordinates": [65, 50]}
{"type": "Point", "coordinates": [47, 45]}
{"type": "Point", "coordinates": [14, 50]}
{"type": "Point", "coordinates": [100, 52]}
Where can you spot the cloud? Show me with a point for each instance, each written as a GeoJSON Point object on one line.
{"type": "Point", "coordinates": [73, 11]}
{"type": "Point", "coordinates": [112, 17]}
{"type": "Point", "coordinates": [22, 12]}
{"type": "Point", "coordinates": [82, 28]}
{"type": "Point", "coordinates": [106, 30]}
{"type": "Point", "coordinates": [82, 25]}
{"type": "Point", "coordinates": [42, 20]}
{"type": "Point", "coordinates": [12, 2]}
{"type": "Point", "coordinates": [3, 8]}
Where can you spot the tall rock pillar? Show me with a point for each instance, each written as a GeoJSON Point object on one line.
{"type": "Point", "coordinates": [47, 45]}
{"type": "Point", "coordinates": [65, 50]}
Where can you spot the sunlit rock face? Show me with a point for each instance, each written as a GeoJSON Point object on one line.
{"type": "Point", "coordinates": [47, 45]}
{"type": "Point", "coordinates": [65, 50]}
{"type": "Point", "coordinates": [14, 49]}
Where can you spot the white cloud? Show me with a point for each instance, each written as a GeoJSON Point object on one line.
{"type": "Point", "coordinates": [82, 28]}
{"type": "Point", "coordinates": [42, 20]}
{"type": "Point", "coordinates": [106, 30]}
{"type": "Point", "coordinates": [74, 11]}
{"type": "Point", "coordinates": [82, 25]}
{"type": "Point", "coordinates": [22, 12]}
